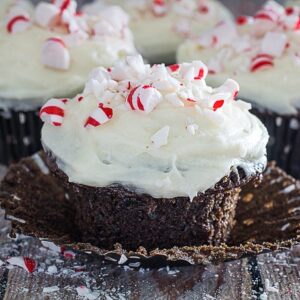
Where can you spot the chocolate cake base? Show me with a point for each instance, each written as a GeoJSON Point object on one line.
{"type": "Point", "coordinates": [284, 142]}
{"type": "Point", "coordinates": [267, 218]}
{"type": "Point", "coordinates": [117, 214]}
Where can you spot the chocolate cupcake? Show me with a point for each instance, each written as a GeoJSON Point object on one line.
{"type": "Point", "coordinates": [154, 155]}
{"type": "Point", "coordinates": [262, 54]}
{"type": "Point", "coordinates": [160, 26]}
{"type": "Point", "coordinates": [48, 51]}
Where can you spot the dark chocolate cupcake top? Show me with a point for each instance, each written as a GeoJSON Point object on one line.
{"type": "Point", "coordinates": [49, 50]}
{"type": "Point", "coordinates": [260, 52]}
{"type": "Point", "coordinates": [160, 129]}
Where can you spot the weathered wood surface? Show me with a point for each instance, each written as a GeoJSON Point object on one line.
{"type": "Point", "coordinates": [267, 276]}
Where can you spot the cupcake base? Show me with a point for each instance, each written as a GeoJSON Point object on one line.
{"type": "Point", "coordinates": [267, 219]}
{"type": "Point", "coordinates": [117, 214]}
{"type": "Point", "coordinates": [284, 143]}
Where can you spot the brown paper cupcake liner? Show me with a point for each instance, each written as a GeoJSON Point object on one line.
{"type": "Point", "coordinates": [284, 143]}
{"type": "Point", "coordinates": [19, 134]}
{"type": "Point", "coordinates": [267, 218]}
{"type": "Point", "coordinates": [119, 214]}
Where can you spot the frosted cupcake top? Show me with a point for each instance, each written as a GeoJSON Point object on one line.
{"type": "Point", "coordinates": [159, 26]}
{"type": "Point", "coordinates": [159, 129]}
{"type": "Point", "coordinates": [49, 50]}
{"type": "Point", "coordinates": [261, 52]}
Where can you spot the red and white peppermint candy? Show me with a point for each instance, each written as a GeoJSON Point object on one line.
{"type": "Point", "coordinates": [99, 116]}
{"type": "Point", "coordinates": [193, 71]}
{"type": "Point", "coordinates": [69, 5]}
{"type": "Point", "coordinates": [144, 98]}
{"type": "Point", "coordinates": [26, 263]}
{"type": "Point", "coordinates": [159, 7]}
{"type": "Point", "coordinates": [46, 14]}
{"type": "Point", "coordinates": [17, 24]}
{"type": "Point", "coordinates": [173, 68]}
{"type": "Point", "coordinates": [53, 112]}
{"type": "Point", "coordinates": [261, 61]}
{"type": "Point", "coordinates": [274, 43]}
{"type": "Point", "coordinates": [55, 54]}
{"type": "Point", "coordinates": [68, 254]}
{"type": "Point", "coordinates": [229, 86]}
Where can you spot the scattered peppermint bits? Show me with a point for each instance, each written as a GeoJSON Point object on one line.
{"type": "Point", "coordinates": [55, 54]}
{"type": "Point", "coordinates": [133, 87]}
{"type": "Point", "coordinates": [160, 138]}
{"type": "Point", "coordinates": [69, 28]}
{"type": "Point", "coordinates": [53, 112]}
{"type": "Point", "coordinates": [26, 263]}
{"type": "Point", "coordinates": [99, 116]}
{"type": "Point", "coordinates": [18, 24]}
{"type": "Point", "coordinates": [261, 61]}
{"type": "Point", "coordinates": [252, 43]}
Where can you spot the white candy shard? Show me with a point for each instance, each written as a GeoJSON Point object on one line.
{"type": "Point", "coordinates": [274, 43]}
{"type": "Point", "coordinates": [229, 86]}
{"type": "Point", "coordinates": [51, 246]}
{"type": "Point", "coordinates": [192, 128]}
{"type": "Point", "coordinates": [45, 14]}
{"type": "Point", "coordinates": [54, 54]}
{"type": "Point", "coordinates": [160, 138]}
{"type": "Point", "coordinates": [51, 289]}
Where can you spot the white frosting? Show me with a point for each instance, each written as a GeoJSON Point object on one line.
{"type": "Point", "coordinates": [275, 88]}
{"type": "Point", "coordinates": [179, 148]}
{"type": "Point", "coordinates": [27, 78]}
{"type": "Point", "coordinates": [158, 36]}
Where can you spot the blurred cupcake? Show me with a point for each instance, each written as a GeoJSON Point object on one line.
{"type": "Point", "coordinates": [262, 54]}
{"type": "Point", "coordinates": [159, 26]}
{"type": "Point", "coordinates": [154, 155]}
{"type": "Point", "coordinates": [48, 51]}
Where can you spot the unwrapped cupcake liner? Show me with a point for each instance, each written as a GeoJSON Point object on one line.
{"type": "Point", "coordinates": [19, 134]}
{"type": "Point", "coordinates": [284, 143]}
{"type": "Point", "coordinates": [267, 219]}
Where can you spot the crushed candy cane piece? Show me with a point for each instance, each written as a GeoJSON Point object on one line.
{"type": "Point", "coordinates": [274, 43]}
{"type": "Point", "coordinates": [46, 14]}
{"type": "Point", "coordinates": [230, 86]}
{"type": "Point", "coordinates": [54, 54]}
{"type": "Point", "coordinates": [99, 116]}
{"type": "Point", "coordinates": [261, 62]}
{"type": "Point", "coordinates": [144, 98]}
{"type": "Point", "coordinates": [160, 138]}
{"type": "Point", "coordinates": [53, 112]}
{"type": "Point", "coordinates": [50, 289]}
{"type": "Point", "coordinates": [51, 246]}
{"type": "Point", "coordinates": [159, 7]}
{"type": "Point", "coordinates": [192, 128]}
{"type": "Point", "coordinates": [26, 263]}
{"type": "Point", "coordinates": [68, 254]}
{"type": "Point", "coordinates": [18, 24]}
{"type": "Point", "coordinates": [218, 104]}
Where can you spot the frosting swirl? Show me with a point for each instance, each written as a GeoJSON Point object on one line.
{"type": "Point", "coordinates": [159, 129]}
{"type": "Point", "coordinates": [260, 52]}
{"type": "Point", "coordinates": [48, 51]}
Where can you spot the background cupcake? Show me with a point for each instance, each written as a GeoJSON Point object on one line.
{"type": "Point", "coordinates": [154, 155]}
{"type": "Point", "coordinates": [160, 26]}
{"type": "Point", "coordinates": [48, 51]}
{"type": "Point", "coordinates": [262, 54]}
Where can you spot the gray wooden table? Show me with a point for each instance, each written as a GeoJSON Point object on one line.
{"type": "Point", "coordinates": [266, 276]}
